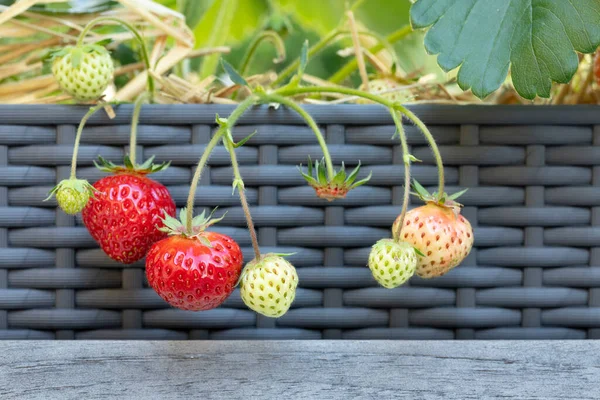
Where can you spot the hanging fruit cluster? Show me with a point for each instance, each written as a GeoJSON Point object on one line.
{"type": "Point", "coordinates": [132, 216]}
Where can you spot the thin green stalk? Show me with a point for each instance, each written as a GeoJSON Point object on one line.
{"type": "Point", "coordinates": [270, 35]}
{"type": "Point", "coordinates": [406, 161]}
{"type": "Point", "coordinates": [131, 28]}
{"type": "Point", "coordinates": [432, 143]}
{"type": "Point", "coordinates": [311, 123]}
{"type": "Point", "coordinates": [350, 66]}
{"type": "Point", "coordinates": [242, 192]}
{"type": "Point", "coordinates": [201, 164]}
{"type": "Point", "coordinates": [137, 108]}
{"type": "Point", "coordinates": [235, 115]}
{"type": "Point", "coordinates": [90, 112]}
{"type": "Point", "coordinates": [389, 104]}
{"type": "Point", "coordinates": [290, 69]}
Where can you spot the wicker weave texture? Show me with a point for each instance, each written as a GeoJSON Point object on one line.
{"type": "Point", "coordinates": [534, 202]}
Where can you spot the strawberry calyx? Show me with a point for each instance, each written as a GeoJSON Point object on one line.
{"type": "Point", "coordinates": [174, 226]}
{"type": "Point", "coordinates": [146, 168]}
{"type": "Point", "coordinates": [443, 200]}
{"type": "Point", "coordinates": [78, 51]}
{"type": "Point", "coordinates": [72, 194]}
{"type": "Point", "coordinates": [336, 188]}
{"type": "Point", "coordinates": [78, 185]}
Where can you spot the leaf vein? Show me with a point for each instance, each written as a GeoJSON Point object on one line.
{"type": "Point", "coordinates": [582, 24]}
{"type": "Point", "coordinates": [487, 62]}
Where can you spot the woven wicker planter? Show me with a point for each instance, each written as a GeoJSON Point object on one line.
{"type": "Point", "coordinates": [534, 174]}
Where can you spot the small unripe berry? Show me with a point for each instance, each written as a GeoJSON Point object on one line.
{"type": "Point", "coordinates": [392, 263]}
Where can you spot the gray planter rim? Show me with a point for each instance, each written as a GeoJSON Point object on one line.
{"type": "Point", "coordinates": [347, 114]}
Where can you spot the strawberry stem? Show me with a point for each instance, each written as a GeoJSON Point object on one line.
{"type": "Point", "coordinates": [135, 32]}
{"type": "Point", "coordinates": [90, 112]}
{"type": "Point", "coordinates": [311, 123]}
{"type": "Point", "coordinates": [235, 115]}
{"type": "Point", "coordinates": [434, 147]}
{"type": "Point", "coordinates": [137, 108]}
{"type": "Point", "coordinates": [406, 161]}
{"type": "Point", "coordinates": [265, 35]}
{"type": "Point", "coordinates": [243, 200]}
{"type": "Point", "coordinates": [287, 91]}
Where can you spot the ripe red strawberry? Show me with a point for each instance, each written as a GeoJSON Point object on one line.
{"type": "Point", "coordinates": [193, 271]}
{"type": "Point", "coordinates": [438, 231]}
{"type": "Point", "coordinates": [123, 215]}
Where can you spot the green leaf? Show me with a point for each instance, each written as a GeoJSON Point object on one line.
{"type": "Point", "coordinates": [362, 181]}
{"type": "Point", "coordinates": [536, 38]}
{"type": "Point", "coordinates": [457, 194]}
{"type": "Point", "coordinates": [421, 191]}
{"type": "Point", "coordinates": [419, 252]}
{"type": "Point", "coordinates": [340, 177]}
{"type": "Point", "coordinates": [148, 163]}
{"type": "Point", "coordinates": [408, 158]}
{"type": "Point", "coordinates": [303, 59]}
{"type": "Point", "coordinates": [220, 121]}
{"type": "Point", "coordinates": [353, 174]}
{"type": "Point", "coordinates": [103, 42]}
{"type": "Point", "coordinates": [244, 140]}
{"type": "Point", "coordinates": [128, 163]}
{"type": "Point", "coordinates": [204, 240]}
{"type": "Point", "coordinates": [321, 173]}
{"type": "Point", "coordinates": [233, 74]}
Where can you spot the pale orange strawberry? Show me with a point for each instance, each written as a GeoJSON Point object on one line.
{"type": "Point", "coordinates": [438, 231]}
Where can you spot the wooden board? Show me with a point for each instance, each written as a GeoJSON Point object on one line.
{"type": "Point", "coordinates": [300, 369]}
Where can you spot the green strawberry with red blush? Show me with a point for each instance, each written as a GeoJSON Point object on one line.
{"type": "Point", "coordinates": [441, 234]}
{"type": "Point", "coordinates": [193, 270]}
{"type": "Point", "coordinates": [125, 214]}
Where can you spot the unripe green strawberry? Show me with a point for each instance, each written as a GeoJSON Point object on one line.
{"type": "Point", "coordinates": [72, 195]}
{"type": "Point", "coordinates": [83, 72]}
{"type": "Point", "coordinates": [392, 263]}
{"type": "Point", "coordinates": [268, 286]}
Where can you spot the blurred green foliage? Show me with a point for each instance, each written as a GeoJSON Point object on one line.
{"type": "Point", "coordinates": [235, 22]}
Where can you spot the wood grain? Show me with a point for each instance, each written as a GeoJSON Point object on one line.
{"type": "Point", "coordinates": [300, 369]}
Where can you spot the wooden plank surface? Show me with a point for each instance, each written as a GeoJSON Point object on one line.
{"type": "Point", "coordinates": [300, 369]}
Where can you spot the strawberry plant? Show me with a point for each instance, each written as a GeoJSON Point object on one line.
{"type": "Point", "coordinates": [132, 216]}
